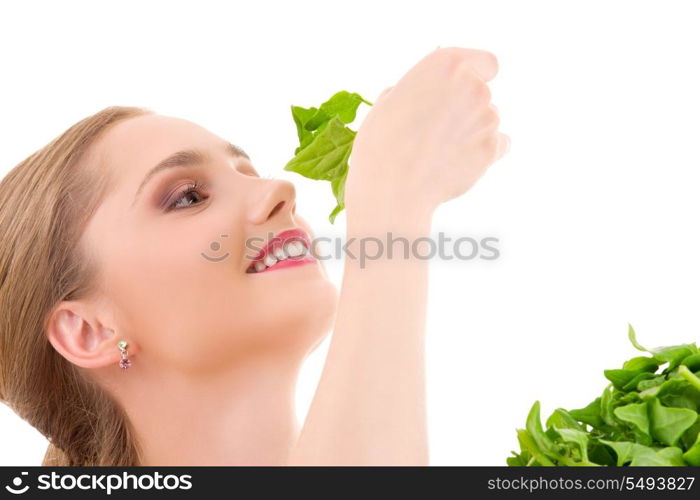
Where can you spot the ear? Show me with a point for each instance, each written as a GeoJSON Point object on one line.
{"type": "Point", "coordinates": [77, 334]}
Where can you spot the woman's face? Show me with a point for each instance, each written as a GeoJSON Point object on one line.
{"type": "Point", "coordinates": [173, 263]}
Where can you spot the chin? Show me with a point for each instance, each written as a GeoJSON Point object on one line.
{"type": "Point", "coordinates": [295, 318]}
{"type": "Point", "coordinates": [317, 315]}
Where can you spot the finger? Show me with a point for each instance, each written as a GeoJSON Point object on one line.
{"type": "Point", "coordinates": [484, 63]}
{"type": "Point", "coordinates": [503, 145]}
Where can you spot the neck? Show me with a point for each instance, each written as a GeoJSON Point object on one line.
{"type": "Point", "coordinates": [245, 416]}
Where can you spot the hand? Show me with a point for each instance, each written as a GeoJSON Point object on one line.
{"type": "Point", "coordinates": [427, 139]}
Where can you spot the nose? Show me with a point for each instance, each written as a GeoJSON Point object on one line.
{"type": "Point", "coordinates": [278, 197]}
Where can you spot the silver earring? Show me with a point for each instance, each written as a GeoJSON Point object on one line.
{"type": "Point", "coordinates": [125, 362]}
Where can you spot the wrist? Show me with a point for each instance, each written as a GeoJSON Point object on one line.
{"type": "Point", "coordinates": [378, 219]}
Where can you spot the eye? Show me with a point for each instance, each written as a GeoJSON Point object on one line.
{"type": "Point", "coordinates": [183, 199]}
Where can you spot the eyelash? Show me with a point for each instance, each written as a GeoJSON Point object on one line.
{"type": "Point", "coordinates": [192, 188]}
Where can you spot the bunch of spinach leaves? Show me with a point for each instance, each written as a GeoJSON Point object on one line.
{"type": "Point", "coordinates": [644, 417]}
{"type": "Point", "coordinates": [325, 142]}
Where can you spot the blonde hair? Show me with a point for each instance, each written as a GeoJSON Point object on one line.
{"type": "Point", "coordinates": [45, 203]}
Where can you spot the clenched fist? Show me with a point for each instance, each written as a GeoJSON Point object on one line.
{"type": "Point", "coordinates": [428, 138]}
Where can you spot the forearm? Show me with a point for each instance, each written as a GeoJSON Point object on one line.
{"type": "Point", "coordinates": [369, 407]}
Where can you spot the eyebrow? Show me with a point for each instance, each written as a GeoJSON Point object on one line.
{"type": "Point", "coordinates": [186, 158]}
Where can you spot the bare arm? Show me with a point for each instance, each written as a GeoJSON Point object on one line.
{"type": "Point", "coordinates": [426, 140]}
{"type": "Point", "coordinates": [369, 407]}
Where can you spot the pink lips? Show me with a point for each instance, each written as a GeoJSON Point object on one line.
{"type": "Point", "coordinates": [278, 241]}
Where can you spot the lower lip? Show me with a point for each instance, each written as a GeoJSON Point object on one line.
{"type": "Point", "coordinates": [288, 263]}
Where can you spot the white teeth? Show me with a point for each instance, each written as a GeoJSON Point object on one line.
{"type": "Point", "coordinates": [302, 247]}
{"type": "Point", "coordinates": [269, 260]}
{"type": "Point", "coordinates": [290, 249]}
{"type": "Point", "coordinates": [295, 248]}
{"type": "Point", "coordinates": [280, 254]}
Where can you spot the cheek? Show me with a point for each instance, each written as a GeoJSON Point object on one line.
{"type": "Point", "coordinates": [189, 323]}
{"type": "Point", "coordinates": [196, 315]}
{"type": "Point", "coordinates": [216, 324]}
{"type": "Point", "coordinates": [171, 300]}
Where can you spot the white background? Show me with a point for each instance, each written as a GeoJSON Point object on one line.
{"type": "Point", "coordinates": [595, 206]}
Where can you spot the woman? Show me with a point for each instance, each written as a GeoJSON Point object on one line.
{"type": "Point", "coordinates": [135, 332]}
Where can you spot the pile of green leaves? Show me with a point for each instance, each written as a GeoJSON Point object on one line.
{"type": "Point", "coordinates": [325, 142]}
{"type": "Point", "coordinates": [644, 417]}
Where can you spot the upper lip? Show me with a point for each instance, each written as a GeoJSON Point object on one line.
{"type": "Point", "coordinates": [277, 241]}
